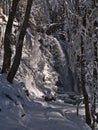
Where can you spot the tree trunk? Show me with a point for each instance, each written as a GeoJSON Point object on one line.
{"type": "Point", "coordinates": [7, 46]}
{"type": "Point", "coordinates": [85, 94]}
{"type": "Point", "coordinates": [95, 74]}
{"type": "Point", "coordinates": [18, 54]}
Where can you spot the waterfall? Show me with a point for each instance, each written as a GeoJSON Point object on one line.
{"type": "Point", "coordinates": [45, 59]}
{"type": "Point", "coordinates": [57, 58]}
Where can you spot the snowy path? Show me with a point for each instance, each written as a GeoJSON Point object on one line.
{"type": "Point", "coordinates": [21, 112]}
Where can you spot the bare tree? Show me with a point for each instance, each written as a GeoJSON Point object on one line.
{"type": "Point", "coordinates": [18, 54]}
{"type": "Point", "coordinates": [83, 83]}
{"type": "Point", "coordinates": [80, 25]}
{"type": "Point", "coordinates": [95, 72]}
{"type": "Point", "coordinates": [7, 46]}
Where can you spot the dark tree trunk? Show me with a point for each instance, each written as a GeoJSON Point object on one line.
{"type": "Point", "coordinates": [95, 74]}
{"type": "Point", "coordinates": [18, 54]}
{"type": "Point", "coordinates": [85, 94]}
{"type": "Point", "coordinates": [7, 46]}
{"type": "Point", "coordinates": [83, 80]}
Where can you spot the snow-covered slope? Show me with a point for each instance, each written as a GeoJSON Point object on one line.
{"type": "Point", "coordinates": [43, 72]}
{"type": "Point", "coordinates": [35, 101]}
{"type": "Point", "coordinates": [44, 65]}
{"type": "Point", "coordinates": [20, 111]}
{"type": "Point", "coordinates": [23, 105]}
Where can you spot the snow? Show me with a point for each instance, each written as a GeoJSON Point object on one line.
{"type": "Point", "coordinates": [21, 112]}
{"type": "Point", "coordinates": [23, 105]}
{"type": "Point", "coordinates": [33, 91]}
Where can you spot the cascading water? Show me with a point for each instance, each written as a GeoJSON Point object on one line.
{"type": "Point", "coordinates": [48, 66]}
{"type": "Point", "coordinates": [48, 62]}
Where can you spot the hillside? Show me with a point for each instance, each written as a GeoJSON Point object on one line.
{"type": "Point", "coordinates": [20, 111]}
{"type": "Point", "coordinates": [56, 84]}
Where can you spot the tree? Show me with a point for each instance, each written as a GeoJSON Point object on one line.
{"type": "Point", "coordinates": [80, 29]}
{"type": "Point", "coordinates": [95, 72]}
{"type": "Point", "coordinates": [8, 31]}
{"type": "Point", "coordinates": [83, 83]}
{"type": "Point", "coordinates": [19, 46]}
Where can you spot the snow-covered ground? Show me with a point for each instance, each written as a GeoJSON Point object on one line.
{"type": "Point", "coordinates": [22, 111]}
{"type": "Point", "coordinates": [23, 105]}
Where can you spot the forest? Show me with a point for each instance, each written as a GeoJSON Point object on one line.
{"type": "Point", "coordinates": [49, 64]}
